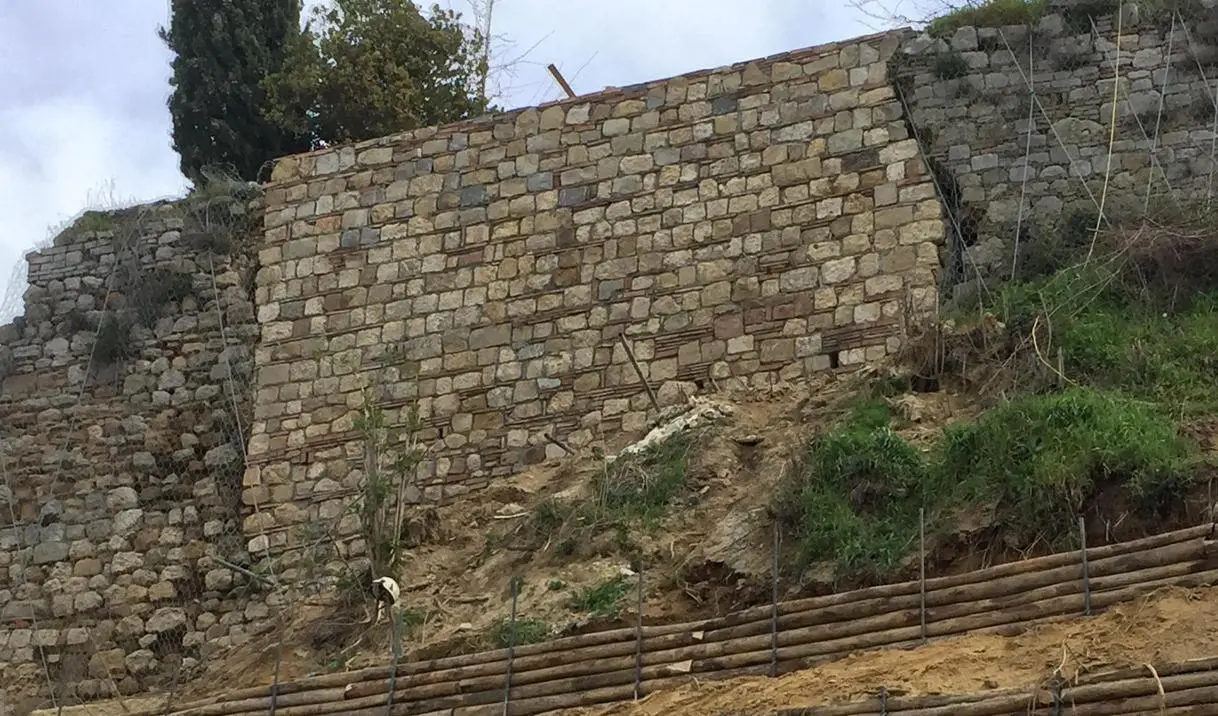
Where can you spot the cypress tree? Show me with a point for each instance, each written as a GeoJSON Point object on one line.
{"type": "Point", "coordinates": [223, 49]}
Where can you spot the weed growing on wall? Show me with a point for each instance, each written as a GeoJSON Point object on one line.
{"type": "Point", "coordinates": [113, 341]}
{"type": "Point", "coordinates": [392, 455]}
{"type": "Point", "coordinates": [988, 13]}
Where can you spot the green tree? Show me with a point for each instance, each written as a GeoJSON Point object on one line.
{"type": "Point", "coordinates": [223, 49]}
{"type": "Point", "coordinates": [368, 68]}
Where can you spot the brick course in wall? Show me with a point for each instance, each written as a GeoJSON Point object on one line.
{"type": "Point", "coordinates": [752, 223]}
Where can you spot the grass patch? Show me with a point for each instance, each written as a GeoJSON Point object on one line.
{"type": "Point", "coordinates": [988, 13]}
{"type": "Point", "coordinates": [526, 631]}
{"type": "Point", "coordinates": [93, 220]}
{"type": "Point", "coordinates": [1038, 458]}
{"type": "Point", "coordinates": [636, 489]}
{"type": "Point", "coordinates": [641, 486]}
{"type": "Point", "coordinates": [1144, 326]}
{"type": "Point", "coordinates": [603, 600]}
{"type": "Point", "coordinates": [1041, 457]}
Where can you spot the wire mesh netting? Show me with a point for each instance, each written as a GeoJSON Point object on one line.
{"type": "Point", "coordinates": [1043, 136]}
{"type": "Point", "coordinates": [126, 412]}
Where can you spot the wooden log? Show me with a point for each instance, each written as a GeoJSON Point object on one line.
{"type": "Point", "coordinates": [1202, 697]}
{"type": "Point", "coordinates": [1145, 686]}
{"type": "Point", "coordinates": [744, 653]}
{"type": "Point", "coordinates": [627, 634]}
{"type": "Point", "coordinates": [757, 657]}
{"type": "Point", "coordinates": [1059, 559]}
{"type": "Point", "coordinates": [1188, 666]}
{"type": "Point", "coordinates": [1066, 576]}
{"type": "Point", "coordinates": [662, 658]}
{"type": "Point", "coordinates": [833, 622]}
{"type": "Point", "coordinates": [668, 636]}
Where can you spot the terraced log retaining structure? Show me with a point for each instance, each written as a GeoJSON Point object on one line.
{"type": "Point", "coordinates": [602, 667]}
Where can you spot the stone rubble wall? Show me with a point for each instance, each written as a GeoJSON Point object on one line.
{"type": "Point", "coordinates": [117, 493]}
{"type": "Point", "coordinates": [749, 224]}
{"type": "Point", "coordinates": [968, 95]}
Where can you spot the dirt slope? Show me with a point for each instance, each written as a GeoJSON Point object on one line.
{"type": "Point", "coordinates": [1168, 626]}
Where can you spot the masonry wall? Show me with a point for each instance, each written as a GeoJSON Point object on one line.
{"type": "Point", "coordinates": [120, 459]}
{"type": "Point", "coordinates": [969, 96]}
{"type": "Point", "coordinates": [750, 224]}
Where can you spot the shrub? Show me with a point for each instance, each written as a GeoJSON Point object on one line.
{"type": "Point", "coordinates": [988, 13]}
{"type": "Point", "coordinates": [1038, 458]}
{"type": "Point", "coordinates": [113, 341]}
{"type": "Point", "coordinates": [156, 288]}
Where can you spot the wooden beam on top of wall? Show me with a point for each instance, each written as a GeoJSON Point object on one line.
{"type": "Point", "coordinates": [562, 82]}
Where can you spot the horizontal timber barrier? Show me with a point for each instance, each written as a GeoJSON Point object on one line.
{"type": "Point", "coordinates": [614, 665]}
{"type": "Point", "coordinates": [1189, 687]}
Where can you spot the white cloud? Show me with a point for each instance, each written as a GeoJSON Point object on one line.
{"type": "Point", "coordinates": [85, 120]}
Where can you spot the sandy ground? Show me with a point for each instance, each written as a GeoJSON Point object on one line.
{"type": "Point", "coordinates": [1169, 626]}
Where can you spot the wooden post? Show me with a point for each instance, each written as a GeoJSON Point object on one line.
{"type": "Point", "coordinates": [511, 652]}
{"type": "Point", "coordinates": [638, 641]}
{"type": "Point", "coordinates": [562, 82]}
{"type": "Point", "coordinates": [1082, 533]}
{"type": "Point", "coordinates": [774, 607]}
{"type": "Point", "coordinates": [639, 371]}
{"type": "Point", "coordinates": [922, 571]}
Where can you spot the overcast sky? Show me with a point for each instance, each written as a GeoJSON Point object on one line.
{"type": "Point", "coordinates": [83, 83]}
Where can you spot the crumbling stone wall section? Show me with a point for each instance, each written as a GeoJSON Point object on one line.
{"type": "Point", "coordinates": [969, 98]}
{"type": "Point", "coordinates": [121, 454]}
{"type": "Point", "coordinates": [748, 224]}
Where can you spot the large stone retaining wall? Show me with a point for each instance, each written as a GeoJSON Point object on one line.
{"type": "Point", "coordinates": [748, 224]}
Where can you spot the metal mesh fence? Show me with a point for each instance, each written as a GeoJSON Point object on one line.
{"type": "Point", "coordinates": [1049, 138]}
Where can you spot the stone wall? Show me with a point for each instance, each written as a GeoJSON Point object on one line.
{"type": "Point", "coordinates": [748, 224]}
{"type": "Point", "coordinates": [969, 98]}
{"type": "Point", "coordinates": [120, 455]}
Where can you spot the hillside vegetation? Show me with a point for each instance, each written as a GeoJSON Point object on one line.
{"type": "Point", "coordinates": [1085, 390]}
{"type": "Point", "coordinates": [1099, 379]}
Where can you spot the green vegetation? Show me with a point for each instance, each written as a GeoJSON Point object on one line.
{"type": "Point", "coordinates": [93, 220]}
{"type": "Point", "coordinates": [641, 486]}
{"type": "Point", "coordinates": [988, 13]}
{"type": "Point", "coordinates": [950, 66]}
{"type": "Point", "coordinates": [368, 68]}
{"type": "Point", "coordinates": [113, 341]}
{"type": "Point", "coordinates": [525, 631]}
{"type": "Point", "coordinates": [603, 600]}
{"type": "Point", "coordinates": [1037, 458]}
{"type": "Point", "coordinates": [1135, 329]}
{"type": "Point", "coordinates": [152, 290]}
{"type": "Point", "coordinates": [392, 454]}
{"type": "Point", "coordinates": [222, 51]}
{"type": "Point", "coordinates": [634, 490]}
